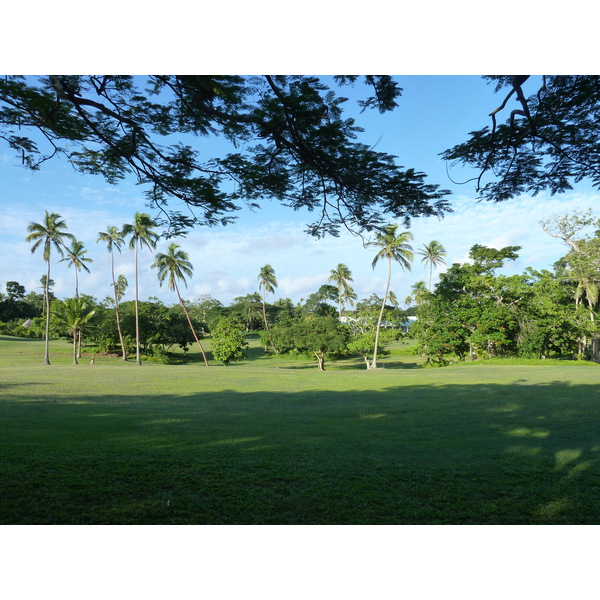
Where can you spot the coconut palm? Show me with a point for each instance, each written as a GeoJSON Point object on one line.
{"type": "Point", "coordinates": [75, 257]}
{"type": "Point", "coordinates": [393, 246]}
{"type": "Point", "coordinates": [433, 255]}
{"type": "Point", "coordinates": [142, 234]}
{"type": "Point", "coordinates": [267, 281]}
{"type": "Point", "coordinates": [48, 234]}
{"type": "Point", "coordinates": [174, 266]}
{"type": "Point", "coordinates": [74, 313]}
{"type": "Point", "coordinates": [417, 295]}
{"type": "Point", "coordinates": [341, 276]}
{"type": "Point", "coordinates": [113, 238]}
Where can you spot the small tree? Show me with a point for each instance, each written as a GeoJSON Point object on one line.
{"type": "Point", "coordinates": [74, 313]}
{"type": "Point", "coordinates": [228, 340]}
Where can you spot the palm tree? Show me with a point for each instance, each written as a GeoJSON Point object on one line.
{"type": "Point", "coordinates": [173, 266]}
{"type": "Point", "coordinates": [341, 276]}
{"type": "Point", "coordinates": [141, 235]}
{"type": "Point", "coordinates": [75, 257]}
{"type": "Point", "coordinates": [433, 255]}
{"type": "Point", "coordinates": [74, 313]}
{"type": "Point", "coordinates": [114, 240]}
{"type": "Point", "coordinates": [393, 246]}
{"type": "Point", "coordinates": [268, 281]}
{"type": "Point", "coordinates": [48, 234]}
{"type": "Point", "coordinates": [417, 295]}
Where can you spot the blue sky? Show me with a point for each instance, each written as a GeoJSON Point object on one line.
{"type": "Point", "coordinates": [435, 113]}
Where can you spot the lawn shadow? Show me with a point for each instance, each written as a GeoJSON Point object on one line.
{"type": "Point", "coordinates": [409, 454]}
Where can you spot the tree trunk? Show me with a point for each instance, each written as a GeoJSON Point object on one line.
{"type": "Point", "coordinates": [138, 360]}
{"type": "Point", "coordinates": [321, 360]}
{"type": "Point", "coordinates": [75, 347]}
{"type": "Point", "coordinates": [191, 326]}
{"type": "Point", "coordinates": [267, 324]}
{"type": "Point", "coordinates": [47, 291]}
{"type": "Point", "coordinates": [387, 289]}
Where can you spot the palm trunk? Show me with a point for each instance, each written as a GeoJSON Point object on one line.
{"type": "Point", "coordinates": [387, 289]}
{"type": "Point", "coordinates": [75, 347]}
{"type": "Point", "coordinates": [138, 360]}
{"type": "Point", "coordinates": [187, 314]}
{"type": "Point", "coordinates": [47, 292]}
{"type": "Point", "coordinates": [112, 256]}
{"type": "Point", "coordinates": [267, 324]}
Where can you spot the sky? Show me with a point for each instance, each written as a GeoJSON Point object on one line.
{"type": "Point", "coordinates": [435, 112]}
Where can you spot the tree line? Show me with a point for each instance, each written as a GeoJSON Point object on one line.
{"type": "Point", "coordinates": [471, 312]}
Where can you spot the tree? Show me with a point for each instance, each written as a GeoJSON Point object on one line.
{"type": "Point", "coordinates": [433, 255]}
{"type": "Point", "coordinates": [341, 276]}
{"type": "Point", "coordinates": [549, 142]}
{"type": "Point", "coordinates": [74, 313]}
{"type": "Point", "coordinates": [142, 234]}
{"type": "Point", "coordinates": [417, 295]}
{"type": "Point", "coordinates": [228, 340]}
{"type": "Point", "coordinates": [174, 266]}
{"type": "Point", "coordinates": [48, 234]}
{"type": "Point", "coordinates": [393, 246]}
{"type": "Point", "coordinates": [113, 238]}
{"type": "Point", "coordinates": [15, 291]}
{"type": "Point", "coordinates": [75, 257]}
{"type": "Point", "coordinates": [314, 336]}
{"type": "Point", "coordinates": [290, 141]}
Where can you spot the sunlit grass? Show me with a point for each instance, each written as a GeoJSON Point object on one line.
{"type": "Point", "coordinates": [272, 440]}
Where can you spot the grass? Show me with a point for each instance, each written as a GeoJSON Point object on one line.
{"type": "Point", "coordinates": [273, 441]}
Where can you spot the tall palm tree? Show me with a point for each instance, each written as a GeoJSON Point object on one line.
{"type": "Point", "coordinates": [75, 257]}
{"type": "Point", "coordinates": [113, 238]}
{"type": "Point", "coordinates": [174, 266]}
{"type": "Point", "coordinates": [48, 234]}
{"type": "Point", "coordinates": [433, 255]}
{"type": "Point", "coordinates": [268, 282]}
{"type": "Point", "coordinates": [74, 313]}
{"type": "Point", "coordinates": [341, 276]}
{"type": "Point", "coordinates": [395, 247]}
{"type": "Point", "coordinates": [142, 234]}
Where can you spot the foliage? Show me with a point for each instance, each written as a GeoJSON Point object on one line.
{"type": "Point", "coordinates": [315, 336]}
{"type": "Point", "coordinates": [228, 340]}
{"type": "Point", "coordinates": [550, 142]}
{"type": "Point", "coordinates": [289, 137]}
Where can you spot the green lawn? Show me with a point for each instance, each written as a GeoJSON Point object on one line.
{"type": "Point", "coordinates": [273, 441]}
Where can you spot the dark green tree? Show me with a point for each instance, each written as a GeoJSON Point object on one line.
{"type": "Point", "coordinates": [290, 141]}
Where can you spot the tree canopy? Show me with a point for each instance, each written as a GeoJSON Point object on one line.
{"type": "Point", "coordinates": [551, 141]}
{"type": "Point", "coordinates": [289, 137]}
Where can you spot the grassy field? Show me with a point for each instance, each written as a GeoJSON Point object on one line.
{"type": "Point", "coordinates": [273, 441]}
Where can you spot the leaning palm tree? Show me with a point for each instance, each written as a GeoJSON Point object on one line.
{"type": "Point", "coordinates": [341, 276]}
{"type": "Point", "coordinates": [173, 266]}
{"type": "Point", "coordinates": [433, 255]}
{"type": "Point", "coordinates": [74, 313]}
{"type": "Point", "coordinates": [142, 234]}
{"type": "Point", "coordinates": [395, 247]}
{"type": "Point", "coordinates": [267, 281]}
{"type": "Point", "coordinates": [114, 240]}
{"type": "Point", "coordinates": [48, 234]}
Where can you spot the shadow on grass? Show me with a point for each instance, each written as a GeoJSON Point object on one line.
{"type": "Point", "coordinates": [415, 454]}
